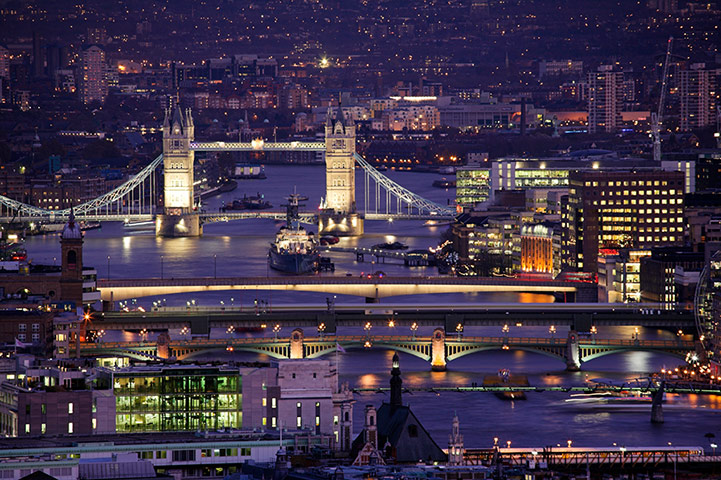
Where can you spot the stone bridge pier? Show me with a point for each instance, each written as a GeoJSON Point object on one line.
{"type": "Point", "coordinates": [573, 356]}
{"type": "Point", "coordinates": [438, 350]}
{"type": "Point", "coordinates": [296, 344]}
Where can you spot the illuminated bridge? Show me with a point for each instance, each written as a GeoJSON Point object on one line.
{"type": "Point", "coordinates": [137, 200]}
{"type": "Point", "coordinates": [577, 316]}
{"type": "Point", "coordinates": [437, 349]}
{"type": "Point", "coordinates": [370, 288]}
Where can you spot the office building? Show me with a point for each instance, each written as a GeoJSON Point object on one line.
{"type": "Point", "coordinates": [94, 81]}
{"type": "Point", "coordinates": [617, 210]}
{"type": "Point", "coordinates": [619, 275]}
{"type": "Point", "coordinates": [605, 100]}
{"type": "Point", "coordinates": [667, 276]}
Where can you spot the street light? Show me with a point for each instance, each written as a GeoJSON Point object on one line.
{"type": "Point", "coordinates": [594, 331]}
{"type": "Point", "coordinates": [276, 331]}
{"type": "Point", "coordinates": [321, 329]}
{"type": "Point", "coordinates": [414, 327]}
{"type": "Point", "coordinates": [391, 323]}
{"type": "Point", "coordinates": [459, 330]}
{"type": "Point", "coordinates": [552, 331]}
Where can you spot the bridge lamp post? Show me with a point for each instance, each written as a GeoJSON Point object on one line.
{"type": "Point", "coordinates": [367, 327]}
{"type": "Point", "coordinates": [459, 330]}
{"type": "Point", "coordinates": [144, 334]}
{"type": "Point", "coordinates": [161, 267]}
{"type": "Point", "coordinates": [391, 323]}
{"type": "Point", "coordinates": [276, 331]}
{"type": "Point", "coordinates": [635, 334]}
{"type": "Point", "coordinates": [505, 329]}
{"type": "Point", "coordinates": [321, 329]}
{"type": "Point", "coordinates": [108, 266]}
{"type": "Point", "coordinates": [552, 331]}
{"type": "Point", "coordinates": [594, 331]}
{"type": "Point", "coordinates": [215, 266]}
{"type": "Point", "coordinates": [414, 328]}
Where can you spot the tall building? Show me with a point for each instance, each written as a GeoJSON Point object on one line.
{"type": "Point", "coordinates": [4, 62]}
{"type": "Point", "coordinates": [618, 210]}
{"type": "Point", "coordinates": [605, 99]}
{"type": "Point", "coordinates": [696, 92]}
{"type": "Point", "coordinates": [38, 56]}
{"type": "Point", "coordinates": [94, 81]}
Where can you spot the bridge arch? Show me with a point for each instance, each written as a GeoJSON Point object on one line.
{"type": "Point", "coordinates": [195, 353]}
{"type": "Point", "coordinates": [602, 353]}
{"type": "Point", "coordinates": [355, 346]}
{"type": "Point", "coordinates": [483, 348]}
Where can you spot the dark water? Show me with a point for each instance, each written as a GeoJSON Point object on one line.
{"type": "Point", "coordinates": [240, 249]}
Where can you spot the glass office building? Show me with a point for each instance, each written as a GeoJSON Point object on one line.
{"type": "Point", "coordinates": [177, 399]}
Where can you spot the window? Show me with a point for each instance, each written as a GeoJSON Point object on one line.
{"type": "Point", "coordinates": [265, 401]}
{"type": "Point", "coordinates": [22, 327]}
{"type": "Point", "coordinates": [95, 423]}
{"type": "Point", "coordinates": [273, 403]}
{"type": "Point", "coordinates": [70, 408]}
{"type": "Point", "coordinates": [43, 428]}
{"type": "Point", "coordinates": [161, 454]}
{"type": "Point", "coordinates": [70, 427]}
{"type": "Point", "coordinates": [183, 455]}
{"type": "Point", "coordinates": [273, 422]}
{"type": "Point", "coordinates": [27, 428]}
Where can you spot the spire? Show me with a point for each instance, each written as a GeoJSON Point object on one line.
{"type": "Point", "coordinates": [396, 384]}
{"type": "Point", "coordinates": [178, 119]}
{"type": "Point", "coordinates": [339, 117]}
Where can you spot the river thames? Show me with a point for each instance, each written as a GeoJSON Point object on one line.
{"type": "Point", "coordinates": [240, 249]}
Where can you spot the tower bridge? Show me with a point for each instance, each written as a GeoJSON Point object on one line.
{"type": "Point", "coordinates": [438, 349]}
{"type": "Point", "coordinates": [137, 199]}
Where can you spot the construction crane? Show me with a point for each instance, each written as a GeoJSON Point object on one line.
{"type": "Point", "coordinates": [657, 118]}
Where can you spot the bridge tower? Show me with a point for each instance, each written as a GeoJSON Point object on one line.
{"type": "Point", "coordinates": [178, 218]}
{"type": "Point", "coordinates": [338, 211]}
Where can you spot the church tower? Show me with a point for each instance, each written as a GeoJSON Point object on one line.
{"type": "Point", "coordinates": [179, 218]}
{"type": "Point", "coordinates": [338, 212]}
{"type": "Point", "coordinates": [396, 384]}
{"type": "Point", "coordinates": [71, 276]}
{"type": "Point", "coordinates": [455, 444]}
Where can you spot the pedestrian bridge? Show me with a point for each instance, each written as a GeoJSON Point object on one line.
{"type": "Point", "coordinates": [370, 288]}
{"type": "Point", "coordinates": [437, 349]}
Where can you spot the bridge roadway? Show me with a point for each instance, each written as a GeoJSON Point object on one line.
{"type": "Point", "coordinates": [370, 288]}
{"type": "Point", "coordinates": [575, 315]}
{"type": "Point", "coordinates": [437, 349]}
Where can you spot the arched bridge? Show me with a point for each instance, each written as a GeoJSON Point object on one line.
{"type": "Point", "coordinates": [437, 349]}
